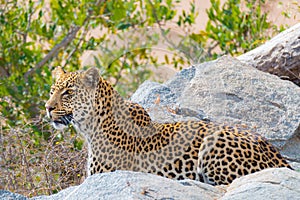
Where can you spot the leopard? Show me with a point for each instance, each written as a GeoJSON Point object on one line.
{"type": "Point", "coordinates": [120, 135]}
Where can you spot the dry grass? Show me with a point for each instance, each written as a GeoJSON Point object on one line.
{"type": "Point", "coordinates": [34, 167]}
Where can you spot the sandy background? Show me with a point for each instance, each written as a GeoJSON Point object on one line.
{"type": "Point", "coordinates": [274, 7]}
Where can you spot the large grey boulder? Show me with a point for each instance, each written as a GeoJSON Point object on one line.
{"type": "Point", "coordinates": [6, 195]}
{"type": "Point", "coordinates": [230, 92]}
{"type": "Point", "coordinates": [270, 184]}
{"type": "Point", "coordinates": [279, 56]}
{"type": "Point", "coordinates": [136, 185]}
{"type": "Point", "coordinates": [275, 184]}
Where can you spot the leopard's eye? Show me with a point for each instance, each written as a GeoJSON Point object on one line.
{"type": "Point", "coordinates": [51, 90]}
{"type": "Point", "coordinates": [67, 92]}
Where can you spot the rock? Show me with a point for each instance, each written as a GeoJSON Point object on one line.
{"type": "Point", "coordinates": [228, 91]}
{"type": "Point", "coordinates": [168, 93]}
{"type": "Point", "coordinates": [276, 183]}
{"type": "Point", "coordinates": [136, 185]}
{"type": "Point", "coordinates": [279, 56]}
{"type": "Point", "coordinates": [6, 195]}
{"type": "Point", "coordinates": [281, 183]}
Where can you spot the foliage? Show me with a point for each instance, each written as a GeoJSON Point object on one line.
{"type": "Point", "coordinates": [36, 36]}
{"type": "Point", "coordinates": [232, 30]}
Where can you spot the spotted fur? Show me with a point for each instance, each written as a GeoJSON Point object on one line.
{"type": "Point", "coordinates": [121, 136]}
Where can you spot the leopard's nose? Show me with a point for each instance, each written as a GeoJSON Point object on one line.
{"type": "Point", "coordinates": [49, 108]}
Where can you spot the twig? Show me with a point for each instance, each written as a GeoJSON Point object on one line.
{"type": "Point", "coordinates": [25, 161]}
{"type": "Point", "coordinates": [163, 34]}
{"type": "Point", "coordinates": [122, 67]}
{"type": "Point", "coordinates": [83, 34]}
{"type": "Point", "coordinates": [54, 51]}
{"type": "Point", "coordinates": [211, 48]}
{"type": "Point", "coordinates": [70, 36]}
{"type": "Point", "coordinates": [29, 18]}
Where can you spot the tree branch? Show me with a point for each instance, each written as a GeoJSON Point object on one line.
{"type": "Point", "coordinates": [83, 34]}
{"type": "Point", "coordinates": [70, 36]}
{"type": "Point", "coordinates": [166, 38]}
{"type": "Point", "coordinates": [54, 51]}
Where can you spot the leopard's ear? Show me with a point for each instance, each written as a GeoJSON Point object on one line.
{"type": "Point", "coordinates": [57, 72]}
{"type": "Point", "coordinates": [90, 77]}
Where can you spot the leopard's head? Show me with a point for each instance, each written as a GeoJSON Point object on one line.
{"type": "Point", "coordinates": [71, 95]}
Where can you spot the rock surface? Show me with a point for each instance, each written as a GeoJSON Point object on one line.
{"type": "Point", "coordinates": [279, 56]}
{"type": "Point", "coordinates": [136, 185]}
{"type": "Point", "coordinates": [6, 195]}
{"type": "Point", "coordinates": [267, 184]}
{"type": "Point", "coordinates": [228, 91]}
{"type": "Point", "coordinates": [270, 184]}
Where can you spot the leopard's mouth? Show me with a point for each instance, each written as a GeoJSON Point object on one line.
{"type": "Point", "coordinates": [62, 122]}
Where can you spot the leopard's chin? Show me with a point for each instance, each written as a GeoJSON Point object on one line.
{"type": "Point", "coordinates": [57, 125]}
{"type": "Point", "coordinates": [62, 122]}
